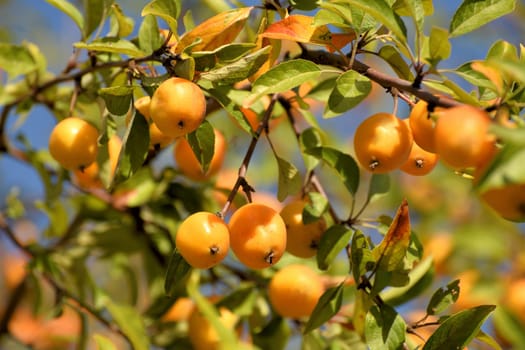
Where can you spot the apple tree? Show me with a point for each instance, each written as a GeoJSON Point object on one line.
{"type": "Point", "coordinates": [265, 175]}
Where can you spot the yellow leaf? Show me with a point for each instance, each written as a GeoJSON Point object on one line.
{"type": "Point", "coordinates": [491, 73]}
{"type": "Point", "coordinates": [216, 31]}
{"type": "Point", "coordinates": [391, 252]}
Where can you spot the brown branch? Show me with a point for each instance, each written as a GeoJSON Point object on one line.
{"type": "Point", "coordinates": [12, 236]}
{"type": "Point", "coordinates": [12, 305]}
{"type": "Point", "coordinates": [385, 80]}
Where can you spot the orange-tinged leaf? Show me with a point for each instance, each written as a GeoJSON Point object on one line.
{"type": "Point", "coordinates": [301, 29]}
{"type": "Point", "coordinates": [491, 73]}
{"type": "Point", "coordinates": [340, 40]}
{"type": "Point", "coordinates": [391, 252]}
{"type": "Point", "coordinates": [216, 31]}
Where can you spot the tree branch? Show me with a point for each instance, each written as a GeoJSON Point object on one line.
{"type": "Point", "coordinates": [385, 80]}
{"type": "Point", "coordinates": [241, 178]}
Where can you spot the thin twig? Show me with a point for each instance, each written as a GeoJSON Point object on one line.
{"type": "Point", "coordinates": [241, 177]}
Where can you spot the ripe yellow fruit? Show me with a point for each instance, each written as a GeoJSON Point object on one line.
{"type": "Point", "coordinates": [382, 143]}
{"type": "Point", "coordinates": [201, 332]}
{"type": "Point", "coordinates": [178, 107]}
{"type": "Point", "coordinates": [181, 310]}
{"type": "Point", "coordinates": [294, 291]}
{"type": "Point", "coordinates": [514, 298]}
{"type": "Point", "coordinates": [257, 235]}
{"type": "Point", "coordinates": [462, 138]}
{"type": "Point", "coordinates": [203, 240]}
{"type": "Point", "coordinates": [302, 240]}
{"type": "Point", "coordinates": [73, 143]}
{"type": "Point", "coordinates": [89, 178]}
{"type": "Point", "coordinates": [156, 137]}
{"type": "Point", "coordinates": [142, 105]}
{"type": "Point", "coordinates": [422, 126]}
{"type": "Point", "coordinates": [189, 164]}
{"type": "Point", "coordinates": [508, 201]}
{"type": "Point", "coordinates": [419, 162]}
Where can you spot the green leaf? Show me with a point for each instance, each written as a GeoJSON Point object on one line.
{"type": "Point", "coordinates": [420, 278]}
{"type": "Point", "coordinates": [135, 147]}
{"type": "Point", "coordinates": [394, 59]}
{"type": "Point", "coordinates": [439, 47]}
{"type": "Point", "coordinates": [309, 138]}
{"type": "Point", "coordinates": [332, 242]}
{"type": "Point", "coordinates": [230, 99]}
{"type": "Point", "coordinates": [327, 306]}
{"type": "Point", "coordinates": [384, 328]}
{"type": "Point", "coordinates": [149, 38]}
{"type": "Point", "coordinates": [168, 10]}
{"type": "Point", "coordinates": [513, 68]}
{"type": "Point", "coordinates": [363, 303]}
{"type": "Point", "coordinates": [345, 166]}
{"type": "Point", "coordinates": [509, 136]}
{"type": "Point", "coordinates": [362, 259]}
{"type": "Point", "coordinates": [350, 89]}
{"type": "Point", "coordinates": [178, 270]}
{"type": "Point", "coordinates": [304, 5]}
{"type": "Point", "coordinates": [202, 142]}
{"type": "Point", "coordinates": [508, 326]}
{"type": "Point", "coordinates": [346, 15]}
{"type": "Point", "coordinates": [289, 179]}
{"type": "Point", "coordinates": [70, 10]}
{"type": "Point", "coordinates": [185, 68]}
{"type": "Point", "coordinates": [15, 208]}
{"type": "Point", "coordinates": [472, 14]}
{"type": "Point", "coordinates": [458, 330]}
{"type": "Point", "coordinates": [103, 343]}
{"type": "Point", "coordinates": [130, 323]}
{"type": "Point", "coordinates": [488, 340]}
{"type": "Point", "coordinates": [240, 69]}
{"type": "Point", "coordinates": [383, 13]}
{"type": "Point", "coordinates": [117, 98]}
{"type": "Point", "coordinates": [416, 9]}
{"type": "Point", "coordinates": [313, 341]}
{"type": "Point", "coordinates": [241, 301]}
{"type": "Point", "coordinates": [283, 77]}
{"type": "Point", "coordinates": [95, 11]}
{"type": "Point", "coordinates": [139, 188]}
{"type": "Point", "coordinates": [16, 59]}
{"type": "Point", "coordinates": [502, 49]}
{"type": "Point", "coordinates": [474, 77]}
{"type": "Point", "coordinates": [113, 45]}
{"type": "Point", "coordinates": [315, 207]}
{"type": "Point", "coordinates": [124, 23]}
{"type": "Point", "coordinates": [274, 335]}
{"type": "Point", "coordinates": [322, 90]}
{"type": "Point", "coordinates": [57, 216]}
{"type": "Point", "coordinates": [226, 335]}
{"type": "Point", "coordinates": [206, 60]}
{"type": "Point", "coordinates": [462, 95]}
{"type": "Point", "coordinates": [443, 298]}
{"type": "Point", "coordinates": [379, 185]}
{"type": "Point", "coordinates": [505, 169]}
